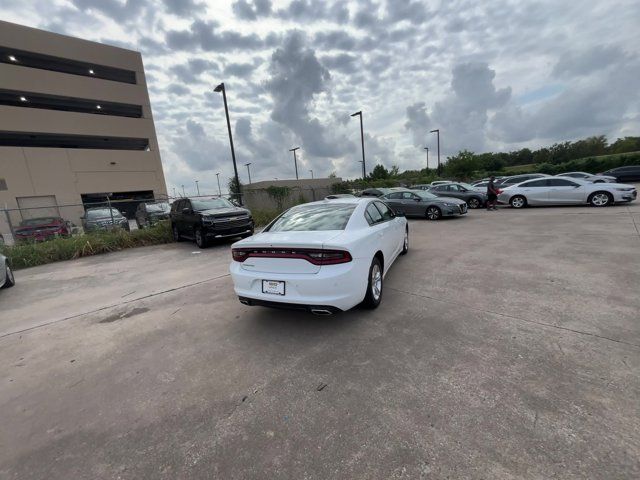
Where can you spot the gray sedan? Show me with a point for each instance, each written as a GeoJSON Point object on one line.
{"type": "Point", "coordinates": [6, 275]}
{"type": "Point", "coordinates": [419, 203]}
{"type": "Point", "coordinates": [474, 197]}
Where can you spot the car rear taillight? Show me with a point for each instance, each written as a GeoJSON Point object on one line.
{"type": "Point", "coordinates": [311, 255]}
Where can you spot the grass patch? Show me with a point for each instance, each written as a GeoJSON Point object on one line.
{"type": "Point", "coordinates": [32, 254]}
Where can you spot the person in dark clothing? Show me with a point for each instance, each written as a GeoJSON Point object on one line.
{"type": "Point", "coordinates": [492, 194]}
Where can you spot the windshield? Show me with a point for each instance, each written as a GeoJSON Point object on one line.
{"type": "Point", "coordinates": [158, 207]}
{"type": "Point", "coordinates": [210, 204]}
{"type": "Point", "coordinates": [102, 212]}
{"type": "Point", "coordinates": [32, 222]}
{"type": "Point", "coordinates": [425, 195]}
{"type": "Point", "coordinates": [314, 218]}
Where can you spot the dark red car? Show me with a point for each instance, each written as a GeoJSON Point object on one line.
{"type": "Point", "coordinates": [41, 229]}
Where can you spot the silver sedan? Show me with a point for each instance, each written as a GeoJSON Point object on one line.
{"type": "Point", "coordinates": [589, 177]}
{"type": "Point", "coordinates": [566, 191]}
{"type": "Point", "coordinates": [6, 274]}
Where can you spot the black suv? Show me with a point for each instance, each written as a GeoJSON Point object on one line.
{"type": "Point", "coordinates": [630, 173]}
{"type": "Point", "coordinates": [206, 219]}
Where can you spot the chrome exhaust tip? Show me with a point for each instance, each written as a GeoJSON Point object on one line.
{"type": "Point", "coordinates": [321, 311]}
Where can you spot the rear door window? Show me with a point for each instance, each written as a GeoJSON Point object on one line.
{"type": "Point", "coordinates": [372, 214]}
{"type": "Point", "coordinates": [385, 211]}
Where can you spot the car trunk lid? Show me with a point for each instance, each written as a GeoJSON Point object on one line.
{"type": "Point", "coordinates": [281, 248]}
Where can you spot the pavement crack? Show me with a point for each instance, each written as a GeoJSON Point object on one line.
{"type": "Point", "coordinates": [535, 322]}
{"type": "Point", "coordinates": [101, 309]}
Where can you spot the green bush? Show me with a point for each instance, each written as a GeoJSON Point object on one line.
{"type": "Point", "coordinates": [263, 217]}
{"type": "Point", "coordinates": [31, 254]}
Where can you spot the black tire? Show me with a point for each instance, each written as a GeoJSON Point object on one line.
{"type": "Point", "coordinates": [518, 201]}
{"type": "Point", "coordinates": [405, 245]}
{"type": "Point", "coordinates": [474, 202]}
{"type": "Point", "coordinates": [10, 280]}
{"type": "Point", "coordinates": [600, 199]}
{"type": "Point", "coordinates": [373, 296]}
{"type": "Point", "coordinates": [433, 213]}
{"type": "Point", "coordinates": [201, 239]}
{"type": "Point", "coordinates": [176, 233]}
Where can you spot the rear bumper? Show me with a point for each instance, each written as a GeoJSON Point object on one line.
{"type": "Point", "coordinates": [339, 287]}
{"type": "Point", "coordinates": [315, 309]}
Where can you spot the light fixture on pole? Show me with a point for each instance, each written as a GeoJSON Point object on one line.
{"type": "Point", "coordinates": [197, 188]}
{"type": "Point", "coordinates": [219, 191]}
{"type": "Point", "coordinates": [248, 171]}
{"type": "Point", "coordinates": [437, 131]}
{"type": "Point", "coordinates": [295, 160]}
{"type": "Point", "coordinates": [364, 165]}
{"type": "Point", "coordinates": [311, 174]}
{"type": "Point", "coordinates": [218, 89]}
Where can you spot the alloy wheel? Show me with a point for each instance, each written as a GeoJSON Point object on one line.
{"type": "Point", "coordinates": [433, 213]}
{"type": "Point", "coordinates": [600, 199]}
{"type": "Point", "coordinates": [474, 203]}
{"type": "Point", "coordinates": [517, 202]}
{"type": "Point", "coordinates": [10, 278]}
{"type": "Point", "coordinates": [199, 238]}
{"type": "Point", "coordinates": [376, 282]}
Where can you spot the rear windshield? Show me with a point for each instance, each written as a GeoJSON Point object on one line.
{"type": "Point", "coordinates": [32, 222]}
{"type": "Point", "coordinates": [157, 207]}
{"type": "Point", "coordinates": [314, 218]}
{"type": "Point", "coordinates": [102, 212]}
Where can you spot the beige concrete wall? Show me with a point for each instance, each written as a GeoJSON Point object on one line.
{"type": "Point", "coordinates": [68, 173]}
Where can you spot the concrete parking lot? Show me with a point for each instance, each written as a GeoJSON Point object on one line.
{"type": "Point", "coordinates": [507, 346]}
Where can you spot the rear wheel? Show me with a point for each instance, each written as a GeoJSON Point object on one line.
{"type": "Point", "coordinates": [433, 213]}
{"type": "Point", "coordinates": [474, 202]}
{"type": "Point", "coordinates": [518, 201]}
{"type": "Point", "coordinates": [374, 287]}
{"type": "Point", "coordinates": [405, 245]}
{"type": "Point", "coordinates": [201, 240]}
{"type": "Point", "coordinates": [600, 199]}
{"type": "Point", "coordinates": [10, 281]}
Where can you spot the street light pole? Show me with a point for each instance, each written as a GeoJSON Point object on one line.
{"type": "Point", "coordinates": [219, 191]}
{"type": "Point", "coordinates": [437, 131]}
{"type": "Point", "coordinates": [183, 194]}
{"type": "Point", "coordinates": [248, 171]}
{"type": "Point", "coordinates": [295, 160]}
{"type": "Point", "coordinates": [364, 165]}
{"type": "Point", "coordinates": [311, 174]}
{"type": "Point", "coordinates": [197, 188]}
{"type": "Point", "coordinates": [220, 88]}
{"type": "Point", "coordinates": [427, 149]}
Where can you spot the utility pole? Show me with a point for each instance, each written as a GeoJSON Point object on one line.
{"type": "Point", "coordinates": [295, 160]}
{"type": "Point", "coordinates": [427, 149]}
{"type": "Point", "coordinates": [364, 165]}
{"type": "Point", "coordinates": [219, 191]}
{"type": "Point", "coordinates": [437, 131]}
{"type": "Point", "coordinates": [248, 171]}
{"type": "Point", "coordinates": [220, 88]}
{"type": "Point", "coordinates": [311, 174]}
{"type": "Point", "coordinates": [183, 194]}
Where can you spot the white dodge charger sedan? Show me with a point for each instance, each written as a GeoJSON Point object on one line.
{"type": "Point", "coordinates": [322, 257]}
{"type": "Point", "coordinates": [566, 191]}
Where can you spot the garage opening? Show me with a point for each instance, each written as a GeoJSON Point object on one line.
{"type": "Point", "coordinates": [126, 202]}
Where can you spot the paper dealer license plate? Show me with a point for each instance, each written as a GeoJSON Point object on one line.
{"type": "Point", "coordinates": [273, 287]}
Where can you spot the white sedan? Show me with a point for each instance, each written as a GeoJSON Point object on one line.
{"type": "Point", "coordinates": [322, 257]}
{"type": "Point", "coordinates": [6, 275]}
{"type": "Point", "coordinates": [589, 177]}
{"type": "Point", "coordinates": [565, 191]}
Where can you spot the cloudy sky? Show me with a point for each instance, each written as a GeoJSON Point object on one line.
{"type": "Point", "coordinates": [495, 75]}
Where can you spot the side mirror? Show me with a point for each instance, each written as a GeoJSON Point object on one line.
{"type": "Point", "coordinates": [186, 210]}
{"type": "Point", "coordinates": [416, 199]}
{"type": "Point", "coordinates": [397, 213]}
